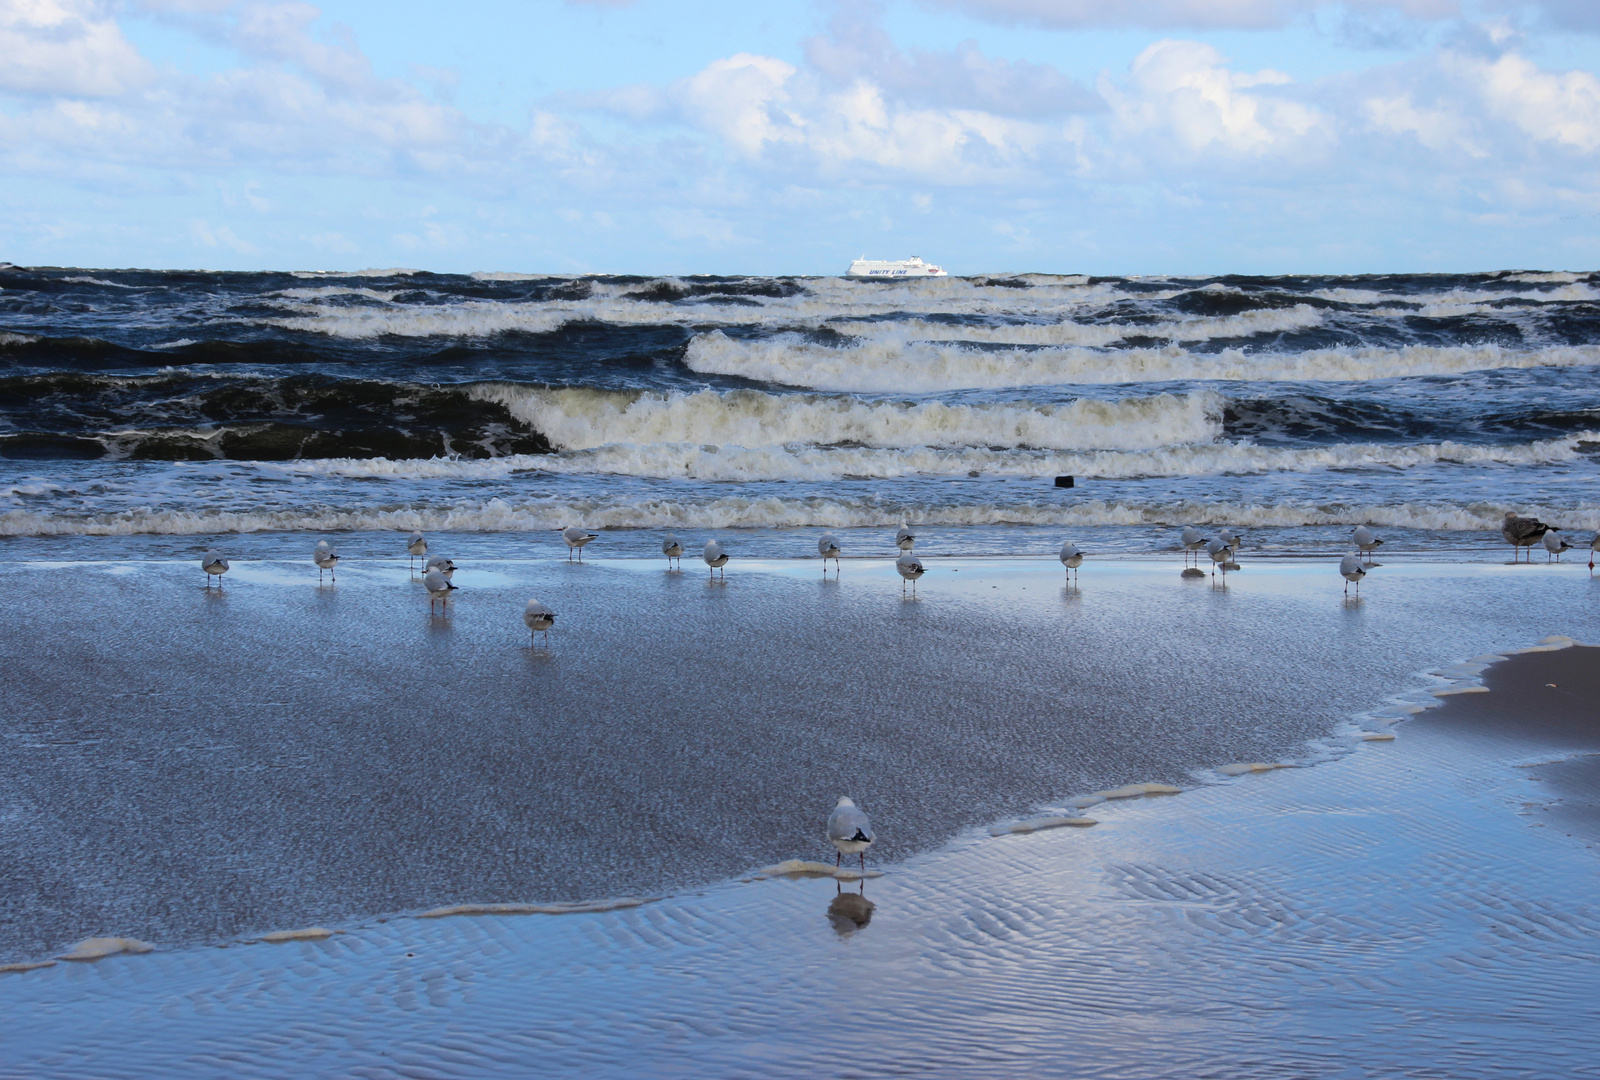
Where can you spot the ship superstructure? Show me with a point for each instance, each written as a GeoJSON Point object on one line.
{"type": "Point", "coordinates": [898, 268]}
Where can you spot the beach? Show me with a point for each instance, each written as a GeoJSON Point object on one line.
{"type": "Point", "coordinates": [276, 756]}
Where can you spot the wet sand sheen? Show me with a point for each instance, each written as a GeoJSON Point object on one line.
{"type": "Point", "coordinates": [279, 755]}
{"type": "Point", "coordinates": [1386, 913]}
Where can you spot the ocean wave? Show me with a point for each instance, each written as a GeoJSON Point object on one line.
{"type": "Point", "coordinates": [814, 463]}
{"type": "Point", "coordinates": [737, 512]}
{"type": "Point", "coordinates": [1246, 324]}
{"type": "Point", "coordinates": [581, 418]}
{"type": "Point", "coordinates": [890, 366]}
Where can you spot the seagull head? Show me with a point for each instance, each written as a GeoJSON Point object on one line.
{"type": "Point", "coordinates": [844, 800]}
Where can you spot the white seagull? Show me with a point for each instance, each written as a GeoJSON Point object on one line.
{"type": "Point", "coordinates": [539, 619]}
{"type": "Point", "coordinates": [416, 545]}
{"type": "Point", "coordinates": [1521, 532]}
{"type": "Point", "coordinates": [445, 566]}
{"type": "Point", "coordinates": [1221, 555]}
{"type": "Point", "coordinates": [1365, 539]}
{"type": "Point", "coordinates": [439, 589]}
{"type": "Point", "coordinates": [909, 567]}
{"type": "Point", "coordinates": [849, 830]}
{"type": "Point", "coordinates": [326, 558]}
{"type": "Point", "coordinates": [1554, 545]}
{"type": "Point", "coordinates": [1071, 557]}
{"type": "Point", "coordinates": [672, 550]}
{"type": "Point", "coordinates": [576, 538]}
{"type": "Point", "coordinates": [905, 539]}
{"type": "Point", "coordinates": [715, 557]}
{"type": "Point", "coordinates": [1353, 571]}
{"type": "Point", "coordinates": [828, 548]}
{"type": "Point", "coordinates": [1193, 541]}
{"type": "Point", "coordinates": [214, 565]}
{"type": "Point", "coordinates": [1232, 539]}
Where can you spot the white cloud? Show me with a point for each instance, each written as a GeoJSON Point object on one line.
{"type": "Point", "coordinates": [66, 47]}
{"type": "Point", "coordinates": [1182, 97]}
{"type": "Point", "coordinates": [1555, 108]}
{"type": "Point", "coordinates": [1206, 14]}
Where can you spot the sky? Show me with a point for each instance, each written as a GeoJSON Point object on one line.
{"type": "Point", "coordinates": [710, 136]}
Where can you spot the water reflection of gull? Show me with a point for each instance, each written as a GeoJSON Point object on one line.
{"type": "Point", "coordinates": [849, 830]}
{"type": "Point", "coordinates": [849, 911]}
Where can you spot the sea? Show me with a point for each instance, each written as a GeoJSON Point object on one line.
{"type": "Point", "coordinates": [164, 405]}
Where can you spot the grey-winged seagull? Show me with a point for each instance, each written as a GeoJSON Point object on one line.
{"type": "Point", "coordinates": [326, 558]}
{"type": "Point", "coordinates": [214, 565]}
{"type": "Point", "coordinates": [1366, 540]}
{"type": "Point", "coordinates": [539, 619]}
{"type": "Point", "coordinates": [849, 830]}
{"type": "Point", "coordinates": [416, 546]}
{"type": "Point", "coordinates": [1221, 555]}
{"type": "Point", "coordinates": [715, 557]}
{"type": "Point", "coordinates": [672, 550]}
{"type": "Point", "coordinates": [1521, 532]}
{"type": "Point", "coordinates": [904, 538]}
{"type": "Point", "coordinates": [828, 548]}
{"type": "Point", "coordinates": [1071, 557]}
{"type": "Point", "coordinates": [445, 566]}
{"type": "Point", "coordinates": [439, 589]}
{"type": "Point", "coordinates": [1352, 570]}
{"type": "Point", "coordinates": [576, 538]}
{"type": "Point", "coordinates": [1193, 541]}
{"type": "Point", "coordinates": [1554, 545]}
{"type": "Point", "coordinates": [909, 567]}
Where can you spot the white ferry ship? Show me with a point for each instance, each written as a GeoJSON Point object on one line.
{"type": "Point", "coordinates": [912, 267]}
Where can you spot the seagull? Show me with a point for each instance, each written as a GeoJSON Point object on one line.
{"type": "Point", "coordinates": [1554, 545]}
{"type": "Point", "coordinates": [1192, 543]}
{"type": "Point", "coordinates": [1521, 532]}
{"type": "Point", "coordinates": [850, 830]}
{"type": "Point", "coordinates": [576, 538]}
{"type": "Point", "coordinates": [1366, 540]}
{"type": "Point", "coordinates": [445, 566]}
{"type": "Point", "coordinates": [828, 548]}
{"type": "Point", "coordinates": [439, 589]}
{"type": "Point", "coordinates": [1351, 567]}
{"type": "Point", "coordinates": [326, 559]}
{"type": "Point", "coordinates": [213, 563]}
{"type": "Point", "coordinates": [909, 567]}
{"type": "Point", "coordinates": [905, 539]}
{"type": "Point", "coordinates": [1221, 555]}
{"type": "Point", "coordinates": [1231, 538]}
{"type": "Point", "coordinates": [672, 550]}
{"type": "Point", "coordinates": [715, 558]}
{"type": "Point", "coordinates": [416, 545]}
{"type": "Point", "coordinates": [1594, 546]}
{"type": "Point", "coordinates": [539, 618]}
{"type": "Point", "coordinates": [1071, 557]}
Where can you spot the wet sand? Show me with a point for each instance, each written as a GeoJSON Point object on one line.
{"type": "Point", "coordinates": [188, 766]}
{"type": "Point", "coordinates": [1392, 911]}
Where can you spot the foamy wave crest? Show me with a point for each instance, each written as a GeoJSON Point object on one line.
{"type": "Point", "coordinates": [580, 418]}
{"type": "Point", "coordinates": [1269, 321]}
{"type": "Point", "coordinates": [814, 463]}
{"type": "Point", "coordinates": [497, 515]}
{"type": "Point", "coordinates": [888, 366]}
{"type": "Point", "coordinates": [459, 320]}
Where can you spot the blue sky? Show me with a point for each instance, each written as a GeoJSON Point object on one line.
{"type": "Point", "coordinates": [1099, 136]}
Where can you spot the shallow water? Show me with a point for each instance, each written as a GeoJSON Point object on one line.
{"type": "Point", "coordinates": [220, 762]}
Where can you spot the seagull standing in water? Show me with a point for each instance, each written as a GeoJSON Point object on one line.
{"type": "Point", "coordinates": [539, 619]}
{"type": "Point", "coordinates": [1351, 568]}
{"type": "Point", "coordinates": [1554, 545]}
{"type": "Point", "coordinates": [1366, 540]}
{"type": "Point", "coordinates": [715, 558]}
{"type": "Point", "coordinates": [1521, 532]}
{"type": "Point", "coordinates": [214, 565]}
{"type": "Point", "coordinates": [326, 559]}
{"type": "Point", "coordinates": [1221, 555]}
{"type": "Point", "coordinates": [905, 539]}
{"type": "Point", "coordinates": [849, 830]}
{"type": "Point", "coordinates": [439, 589]}
{"type": "Point", "coordinates": [576, 538]}
{"type": "Point", "coordinates": [1232, 539]}
{"type": "Point", "coordinates": [672, 550]}
{"type": "Point", "coordinates": [416, 547]}
{"type": "Point", "coordinates": [910, 568]}
{"type": "Point", "coordinates": [1071, 557]}
{"type": "Point", "coordinates": [828, 548]}
{"type": "Point", "coordinates": [1193, 541]}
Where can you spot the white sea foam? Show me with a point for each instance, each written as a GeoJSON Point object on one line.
{"type": "Point", "coordinates": [335, 290]}
{"type": "Point", "coordinates": [889, 365]}
{"type": "Point", "coordinates": [16, 339]}
{"type": "Point", "coordinates": [577, 418]}
{"type": "Point", "coordinates": [1247, 324]}
{"type": "Point", "coordinates": [738, 511]}
{"type": "Point", "coordinates": [99, 281]}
